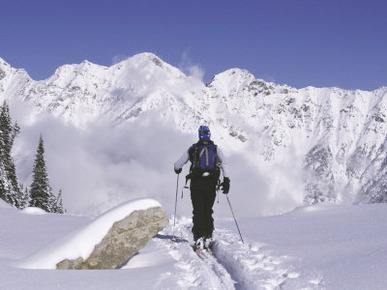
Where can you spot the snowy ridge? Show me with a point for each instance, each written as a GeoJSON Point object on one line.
{"type": "Point", "coordinates": [334, 138]}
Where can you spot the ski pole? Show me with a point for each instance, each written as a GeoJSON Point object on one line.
{"type": "Point", "coordinates": [174, 216]}
{"type": "Point", "coordinates": [218, 189]}
{"type": "Point", "coordinates": [234, 218]}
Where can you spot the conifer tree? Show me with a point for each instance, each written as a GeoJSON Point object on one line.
{"type": "Point", "coordinates": [59, 203]}
{"type": "Point", "coordinates": [41, 193]}
{"type": "Point", "coordinates": [25, 197]}
{"type": "Point", "coordinates": [10, 190]}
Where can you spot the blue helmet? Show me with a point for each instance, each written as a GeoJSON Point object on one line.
{"type": "Point", "coordinates": [204, 133]}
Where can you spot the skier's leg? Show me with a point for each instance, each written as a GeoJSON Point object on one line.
{"type": "Point", "coordinates": [198, 204]}
{"type": "Point", "coordinates": [208, 211]}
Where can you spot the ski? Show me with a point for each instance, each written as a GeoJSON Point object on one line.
{"type": "Point", "coordinates": [209, 252]}
{"type": "Point", "coordinates": [204, 253]}
{"type": "Point", "coordinates": [200, 254]}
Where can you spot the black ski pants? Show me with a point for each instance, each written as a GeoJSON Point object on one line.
{"type": "Point", "coordinates": [203, 192]}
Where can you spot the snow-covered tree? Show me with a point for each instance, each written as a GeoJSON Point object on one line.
{"type": "Point", "coordinates": [40, 192]}
{"type": "Point", "coordinates": [25, 197]}
{"type": "Point", "coordinates": [10, 190]}
{"type": "Point", "coordinates": [58, 206]}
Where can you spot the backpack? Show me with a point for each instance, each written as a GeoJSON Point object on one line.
{"type": "Point", "coordinates": [204, 158]}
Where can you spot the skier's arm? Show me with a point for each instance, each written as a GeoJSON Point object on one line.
{"type": "Point", "coordinates": [181, 161]}
{"type": "Point", "coordinates": [222, 163]}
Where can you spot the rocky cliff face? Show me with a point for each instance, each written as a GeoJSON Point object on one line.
{"type": "Point", "coordinates": [338, 135]}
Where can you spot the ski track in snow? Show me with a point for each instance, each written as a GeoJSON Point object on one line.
{"type": "Point", "coordinates": [191, 272]}
{"type": "Point", "coordinates": [234, 265]}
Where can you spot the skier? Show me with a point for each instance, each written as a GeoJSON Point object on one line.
{"type": "Point", "coordinates": [206, 163]}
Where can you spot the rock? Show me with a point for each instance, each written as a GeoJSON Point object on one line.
{"type": "Point", "coordinates": [124, 239]}
{"type": "Point", "coordinates": [70, 264]}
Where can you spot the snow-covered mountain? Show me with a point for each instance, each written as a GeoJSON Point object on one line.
{"type": "Point", "coordinates": [329, 141]}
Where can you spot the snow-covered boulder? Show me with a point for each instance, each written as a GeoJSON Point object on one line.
{"type": "Point", "coordinates": [108, 242]}
{"type": "Point", "coordinates": [124, 239]}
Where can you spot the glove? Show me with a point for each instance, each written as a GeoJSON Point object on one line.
{"type": "Point", "coordinates": [178, 171]}
{"type": "Point", "coordinates": [226, 185]}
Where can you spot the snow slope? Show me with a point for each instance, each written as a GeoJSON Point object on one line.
{"type": "Point", "coordinates": [313, 247]}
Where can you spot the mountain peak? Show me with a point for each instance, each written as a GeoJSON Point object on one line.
{"type": "Point", "coordinates": [3, 66]}
{"type": "Point", "coordinates": [3, 63]}
{"type": "Point", "coordinates": [145, 55]}
{"type": "Point", "coordinates": [6, 70]}
{"type": "Point", "coordinates": [234, 75]}
{"type": "Point", "coordinates": [147, 64]}
{"type": "Point", "coordinates": [142, 58]}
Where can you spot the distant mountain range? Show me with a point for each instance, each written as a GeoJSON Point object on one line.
{"type": "Point", "coordinates": [338, 136]}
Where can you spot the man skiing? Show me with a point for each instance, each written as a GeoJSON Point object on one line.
{"type": "Point", "coordinates": [207, 161]}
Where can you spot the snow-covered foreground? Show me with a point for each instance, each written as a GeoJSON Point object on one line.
{"type": "Point", "coordinates": [314, 247]}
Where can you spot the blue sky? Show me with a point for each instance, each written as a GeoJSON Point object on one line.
{"type": "Point", "coordinates": [321, 43]}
